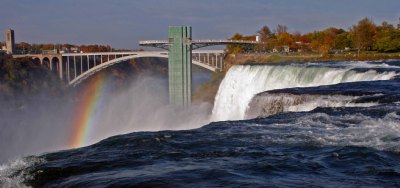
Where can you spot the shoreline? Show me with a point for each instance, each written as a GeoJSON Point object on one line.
{"type": "Point", "coordinates": [260, 58]}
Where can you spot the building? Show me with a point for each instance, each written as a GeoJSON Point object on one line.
{"type": "Point", "coordinates": [10, 41]}
{"type": "Point", "coordinates": [286, 49]}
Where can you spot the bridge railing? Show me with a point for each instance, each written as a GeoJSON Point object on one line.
{"type": "Point", "coordinates": [224, 41]}
{"type": "Point", "coordinates": [154, 42]}
{"type": "Point", "coordinates": [101, 53]}
{"type": "Point", "coordinates": [144, 42]}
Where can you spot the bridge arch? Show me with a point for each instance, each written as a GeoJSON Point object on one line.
{"type": "Point", "coordinates": [46, 62]}
{"type": "Point", "coordinates": [104, 65]}
{"type": "Point", "coordinates": [36, 61]}
{"type": "Point", "coordinates": [55, 64]}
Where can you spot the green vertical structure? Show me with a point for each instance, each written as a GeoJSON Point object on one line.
{"type": "Point", "coordinates": [180, 65]}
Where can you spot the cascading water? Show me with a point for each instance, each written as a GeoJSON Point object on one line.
{"type": "Point", "coordinates": [242, 82]}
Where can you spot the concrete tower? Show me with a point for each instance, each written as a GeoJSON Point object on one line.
{"type": "Point", "coordinates": [180, 65]}
{"type": "Point", "coordinates": [10, 41]}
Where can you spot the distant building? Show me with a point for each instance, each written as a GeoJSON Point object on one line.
{"type": "Point", "coordinates": [258, 38]}
{"type": "Point", "coordinates": [286, 49]}
{"type": "Point", "coordinates": [10, 41]}
{"type": "Point", "coordinates": [70, 50]}
{"type": "Point", "coordinates": [75, 50]}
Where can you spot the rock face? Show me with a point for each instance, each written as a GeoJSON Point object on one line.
{"type": "Point", "coordinates": [266, 105]}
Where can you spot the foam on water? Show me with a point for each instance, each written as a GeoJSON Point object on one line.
{"type": "Point", "coordinates": [242, 82]}
{"type": "Point", "coordinates": [282, 102]}
{"type": "Point", "coordinates": [12, 174]}
{"type": "Point", "coordinates": [345, 130]}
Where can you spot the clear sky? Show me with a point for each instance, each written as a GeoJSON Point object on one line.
{"type": "Point", "coordinates": [122, 23]}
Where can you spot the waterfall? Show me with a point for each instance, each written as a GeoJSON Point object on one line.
{"type": "Point", "coordinates": [242, 82]}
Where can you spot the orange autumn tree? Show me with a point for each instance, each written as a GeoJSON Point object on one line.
{"type": "Point", "coordinates": [237, 48]}
{"type": "Point", "coordinates": [364, 34]}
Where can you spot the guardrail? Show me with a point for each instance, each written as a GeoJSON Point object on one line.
{"type": "Point", "coordinates": [224, 41]}
{"type": "Point", "coordinates": [198, 41]}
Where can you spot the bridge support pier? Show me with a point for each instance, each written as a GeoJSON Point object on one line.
{"type": "Point", "coordinates": [180, 65]}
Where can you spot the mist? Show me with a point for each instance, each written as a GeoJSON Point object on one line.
{"type": "Point", "coordinates": [35, 126]}
{"type": "Point", "coordinates": [143, 106]}
{"type": "Point", "coordinates": [45, 125]}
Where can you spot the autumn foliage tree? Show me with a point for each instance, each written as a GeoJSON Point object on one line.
{"type": "Point", "coordinates": [267, 38]}
{"type": "Point", "coordinates": [95, 48]}
{"type": "Point", "coordinates": [239, 48]}
{"type": "Point", "coordinates": [363, 34]}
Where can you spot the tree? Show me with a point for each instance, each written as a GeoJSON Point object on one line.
{"type": "Point", "coordinates": [317, 40]}
{"type": "Point", "coordinates": [281, 29]}
{"type": "Point", "coordinates": [265, 33]}
{"type": "Point", "coordinates": [343, 40]}
{"type": "Point", "coordinates": [237, 48]}
{"type": "Point", "coordinates": [363, 34]}
{"type": "Point", "coordinates": [285, 39]}
{"type": "Point", "coordinates": [387, 38]}
{"type": "Point", "coordinates": [267, 38]}
{"type": "Point", "coordinates": [21, 76]}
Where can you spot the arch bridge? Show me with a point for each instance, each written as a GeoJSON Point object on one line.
{"type": "Point", "coordinates": [181, 53]}
{"type": "Point", "coordinates": [76, 67]}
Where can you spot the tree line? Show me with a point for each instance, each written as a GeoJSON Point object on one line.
{"type": "Point", "coordinates": [22, 77]}
{"type": "Point", "coordinates": [363, 36]}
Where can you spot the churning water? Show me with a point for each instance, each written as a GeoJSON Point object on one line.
{"type": "Point", "coordinates": [243, 82]}
{"type": "Point", "coordinates": [320, 124]}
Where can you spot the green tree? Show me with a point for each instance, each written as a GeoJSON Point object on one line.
{"type": "Point", "coordinates": [343, 40]}
{"type": "Point", "coordinates": [387, 38]}
{"type": "Point", "coordinates": [22, 77]}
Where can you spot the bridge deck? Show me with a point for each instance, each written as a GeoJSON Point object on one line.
{"type": "Point", "coordinates": [150, 42]}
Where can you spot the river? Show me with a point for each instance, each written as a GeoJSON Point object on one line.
{"type": "Point", "coordinates": [331, 124]}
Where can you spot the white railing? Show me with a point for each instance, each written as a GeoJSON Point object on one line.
{"type": "Point", "coordinates": [154, 42]}
{"type": "Point", "coordinates": [224, 41]}
{"type": "Point", "coordinates": [148, 42]}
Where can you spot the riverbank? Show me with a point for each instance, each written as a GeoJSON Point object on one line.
{"type": "Point", "coordinates": [235, 59]}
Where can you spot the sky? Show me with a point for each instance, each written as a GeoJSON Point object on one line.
{"type": "Point", "coordinates": [122, 23]}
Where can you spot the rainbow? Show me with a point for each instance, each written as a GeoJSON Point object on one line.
{"type": "Point", "coordinates": [87, 110]}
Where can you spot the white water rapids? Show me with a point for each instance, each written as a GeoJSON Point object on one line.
{"type": "Point", "coordinates": [242, 82]}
